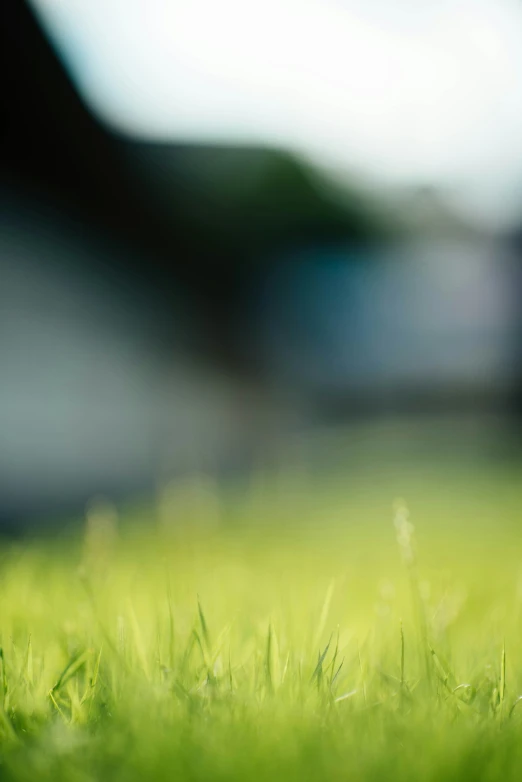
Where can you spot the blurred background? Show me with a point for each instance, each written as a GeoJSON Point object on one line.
{"type": "Point", "coordinates": [240, 236]}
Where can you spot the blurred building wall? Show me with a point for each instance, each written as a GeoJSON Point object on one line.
{"type": "Point", "coordinates": [98, 389]}
{"type": "Point", "coordinates": [417, 318]}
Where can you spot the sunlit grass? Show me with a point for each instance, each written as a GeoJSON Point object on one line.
{"type": "Point", "coordinates": [296, 630]}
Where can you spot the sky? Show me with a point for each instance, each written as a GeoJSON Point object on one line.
{"type": "Point", "coordinates": [401, 92]}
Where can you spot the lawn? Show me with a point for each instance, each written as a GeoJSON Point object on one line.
{"type": "Point", "coordinates": [296, 629]}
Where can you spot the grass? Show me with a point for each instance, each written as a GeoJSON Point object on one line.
{"type": "Point", "coordinates": [304, 631]}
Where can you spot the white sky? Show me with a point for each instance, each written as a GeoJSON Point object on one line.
{"type": "Point", "coordinates": [400, 90]}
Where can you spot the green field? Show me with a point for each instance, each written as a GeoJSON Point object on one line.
{"type": "Point", "coordinates": [293, 630]}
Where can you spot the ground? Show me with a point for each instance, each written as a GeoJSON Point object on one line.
{"type": "Point", "coordinates": [307, 629]}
